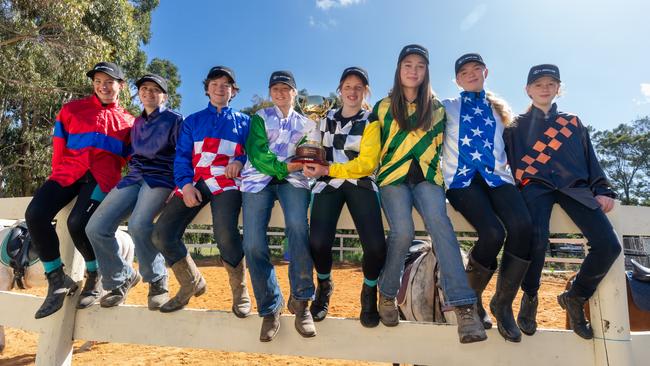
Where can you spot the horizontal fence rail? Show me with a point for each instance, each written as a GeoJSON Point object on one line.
{"type": "Point", "coordinates": [410, 342]}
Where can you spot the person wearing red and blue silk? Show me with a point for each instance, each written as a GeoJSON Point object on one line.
{"type": "Point", "coordinates": [209, 156]}
{"type": "Point", "coordinates": [90, 147]}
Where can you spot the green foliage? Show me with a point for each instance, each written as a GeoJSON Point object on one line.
{"type": "Point", "coordinates": [46, 47]}
{"type": "Point", "coordinates": [258, 103]}
{"type": "Point", "coordinates": [623, 153]}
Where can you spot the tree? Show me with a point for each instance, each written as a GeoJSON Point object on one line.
{"type": "Point", "coordinates": [46, 47]}
{"type": "Point", "coordinates": [624, 153]}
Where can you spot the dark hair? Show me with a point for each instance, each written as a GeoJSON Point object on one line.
{"type": "Point", "coordinates": [423, 101]}
{"type": "Point", "coordinates": [207, 81]}
{"type": "Point", "coordinates": [366, 92]}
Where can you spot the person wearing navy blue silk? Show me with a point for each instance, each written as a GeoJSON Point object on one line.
{"type": "Point", "coordinates": [139, 196]}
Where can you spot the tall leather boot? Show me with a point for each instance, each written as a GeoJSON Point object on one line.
{"type": "Point", "coordinates": [511, 273]}
{"type": "Point", "coordinates": [241, 301]}
{"type": "Point", "coordinates": [191, 281]}
{"type": "Point", "coordinates": [478, 278]}
{"type": "Point", "coordinates": [59, 285]}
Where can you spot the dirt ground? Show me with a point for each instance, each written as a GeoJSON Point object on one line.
{"type": "Point", "coordinates": [21, 345]}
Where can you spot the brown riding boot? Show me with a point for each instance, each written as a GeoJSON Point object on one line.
{"type": "Point", "coordinates": [388, 313]}
{"type": "Point", "coordinates": [191, 281]}
{"type": "Point", "coordinates": [304, 323]}
{"type": "Point", "coordinates": [241, 301]}
{"type": "Point", "coordinates": [271, 325]}
{"type": "Point", "coordinates": [470, 327]}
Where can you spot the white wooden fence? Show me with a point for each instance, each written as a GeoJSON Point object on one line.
{"type": "Point", "coordinates": [417, 343]}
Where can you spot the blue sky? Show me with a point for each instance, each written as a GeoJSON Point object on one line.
{"type": "Point", "coordinates": [601, 47]}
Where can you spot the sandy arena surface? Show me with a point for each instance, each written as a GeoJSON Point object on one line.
{"type": "Point", "coordinates": [21, 345]}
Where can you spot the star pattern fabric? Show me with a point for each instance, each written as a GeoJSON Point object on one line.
{"type": "Point", "coordinates": [476, 146]}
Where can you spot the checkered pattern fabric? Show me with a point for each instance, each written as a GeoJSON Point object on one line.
{"type": "Point", "coordinates": [341, 139]}
{"type": "Point", "coordinates": [209, 140]}
{"type": "Point", "coordinates": [563, 129]}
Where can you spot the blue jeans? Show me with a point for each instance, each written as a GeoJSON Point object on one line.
{"type": "Point", "coordinates": [143, 203]}
{"type": "Point", "coordinates": [225, 207]}
{"type": "Point", "coordinates": [257, 213]}
{"type": "Point", "coordinates": [429, 200]}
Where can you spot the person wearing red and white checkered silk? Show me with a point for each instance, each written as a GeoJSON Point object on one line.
{"type": "Point", "coordinates": [209, 156]}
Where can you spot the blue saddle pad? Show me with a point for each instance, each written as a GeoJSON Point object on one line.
{"type": "Point", "coordinates": [640, 292]}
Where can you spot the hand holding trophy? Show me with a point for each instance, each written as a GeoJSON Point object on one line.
{"type": "Point", "coordinates": [311, 152]}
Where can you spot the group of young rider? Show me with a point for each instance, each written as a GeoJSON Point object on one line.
{"type": "Point", "coordinates": [503, 173]}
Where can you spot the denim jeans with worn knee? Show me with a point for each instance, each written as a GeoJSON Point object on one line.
{"type": "Point", "coordinates": [429, 200]}
{"type": "Point", "coordinates": [142, 203]}
{"type": "Point", "coordinates": [257, 209]}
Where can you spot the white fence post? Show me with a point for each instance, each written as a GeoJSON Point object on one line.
{"type": "Point", "coordinates": [55, 342]}
{"type": "Point", "coordinates": [609, 308]}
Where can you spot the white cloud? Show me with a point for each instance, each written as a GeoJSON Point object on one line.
{"type": "Point", "coordinates": [473, 17]}
{"type": "Point", "coordinates": [645, 91]}
{"type": "Point", "coordinates": [322, 24]}
{"type": "Point", "coordinates": [328, 4]}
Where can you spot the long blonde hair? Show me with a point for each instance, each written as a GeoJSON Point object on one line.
{"type": "Point", "coordinates": [501, 107]}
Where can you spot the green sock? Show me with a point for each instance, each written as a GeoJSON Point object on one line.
{"type": "Point", "coordinates": [91, 266]}
{"type": "Point", "coordinates": [371, 283]}
{"type": "Point", "coordinates": [323, 277]}
{"type": "Point", "coordinates": [52, 266]}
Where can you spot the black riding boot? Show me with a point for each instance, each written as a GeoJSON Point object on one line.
{"type": "Point", "coordinates": [527, 318]}
{"type": "Point", "coordinates": [511, 273]}
{"type": "Point", "coordinates": [59, 285]}
{"type": "Point", "coordinates": [320, 305]}
{"type": "Point", "coordinates": [478, 278]}
{"type": "Point", "coordinates": [369, 315]}
{"type": "Point", "coordinates": [574, 306]}
{"type": "Point", "coordinates": [92, 290]}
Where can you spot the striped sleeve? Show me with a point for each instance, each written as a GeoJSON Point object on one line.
{"type": "Point", "coordinates": [59, 138]}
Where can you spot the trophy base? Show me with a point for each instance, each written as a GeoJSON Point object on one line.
{"type": "Point", "coordinates": [309, 160]}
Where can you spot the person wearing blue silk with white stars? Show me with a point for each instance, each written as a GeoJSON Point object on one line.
{"type": "Point", "coordinates": [480, 186]}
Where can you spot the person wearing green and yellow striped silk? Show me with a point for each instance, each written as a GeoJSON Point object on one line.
{"type": "Point", "coordinates": [412, 123]}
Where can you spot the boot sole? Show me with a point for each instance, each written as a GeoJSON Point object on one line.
{"type": "Point", "coordinates": [369, 324]}
{"type": "Point", "coordinates": [472, 339]}
{"type": "Point", "coordinates": [305, 335]}
{"type": "Point", "coordinates": [239, 314]}
{"type": "Point", "coordinates": [501, 330]}
{"type": "Point", "coordinates": [272, 337]}
{"type": "Point", "coordinates": [389, 324]}
{"type": "Point", "coordinates": [525, 331]}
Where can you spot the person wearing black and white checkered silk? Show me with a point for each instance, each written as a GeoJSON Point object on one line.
{"type": "Point", "coordinates": [350, 136]}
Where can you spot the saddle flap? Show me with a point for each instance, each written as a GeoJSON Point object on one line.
{"type": "Point", "coordinates": [640, 291]}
